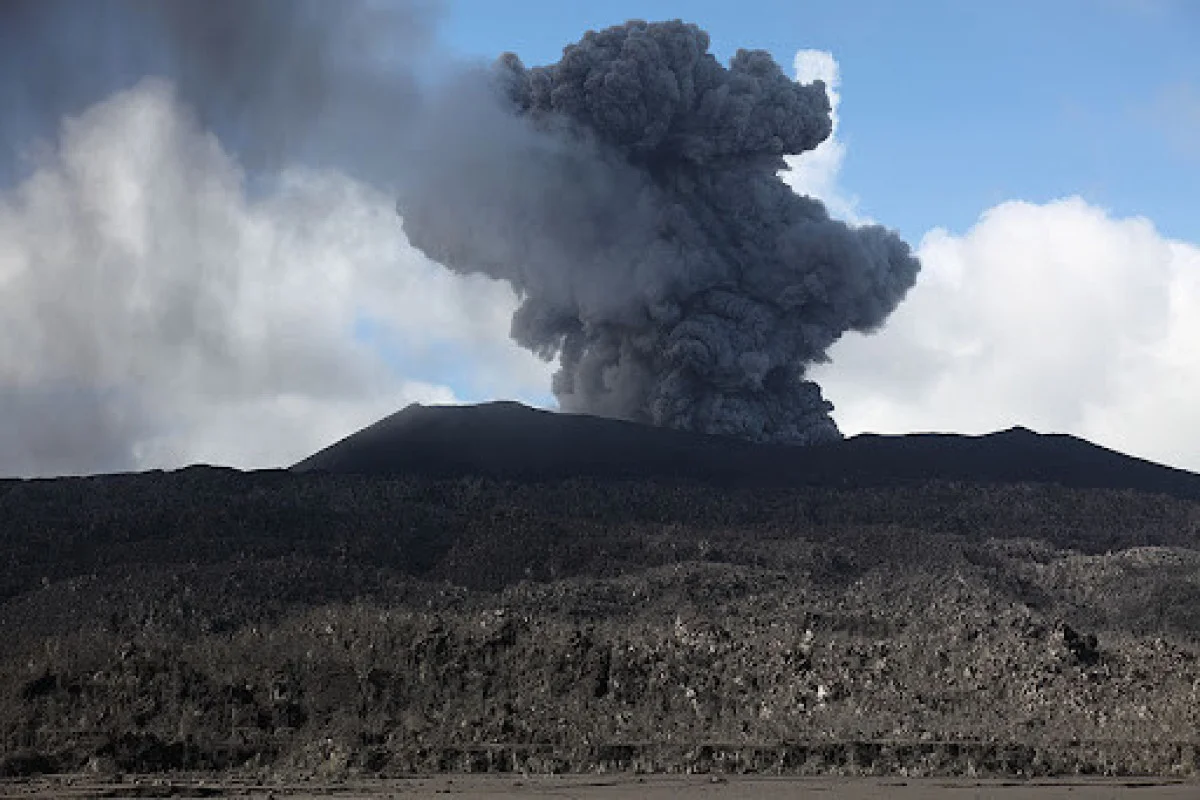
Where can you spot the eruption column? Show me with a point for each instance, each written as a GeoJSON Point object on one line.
{"type": "Point", "coordinates": [630, 195]}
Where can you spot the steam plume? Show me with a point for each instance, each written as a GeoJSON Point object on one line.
{"type": "Point", "coordinates": [630, 195]}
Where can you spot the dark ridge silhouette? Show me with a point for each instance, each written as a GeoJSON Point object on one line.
{"type": "Point", "coordinates": [511, 441]}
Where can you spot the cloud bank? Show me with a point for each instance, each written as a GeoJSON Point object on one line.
{"type": "Point", "coordinates": [205, 265]}
{"type": "Point", "coordinates": [1056, 316]}
{"type": "Point", "coordinates": [158, 312]}
{"type": "Point", "coordinates": [1059, 317]}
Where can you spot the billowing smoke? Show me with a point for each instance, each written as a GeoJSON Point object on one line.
{"type": "Point", "coordinates": [199, 259]}
{"type": "Point", "coordinates": [630, 194]}
{"type": "Point", "coordinates": [278, 80]}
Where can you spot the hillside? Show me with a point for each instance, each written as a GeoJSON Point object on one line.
{"type": "Point", "coordinates": [510, 441]}
{"type": "Point", "coordinates": [895, 605]}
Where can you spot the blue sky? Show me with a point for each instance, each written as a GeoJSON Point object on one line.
{"type": "Point", "coordinates": [950, 107]}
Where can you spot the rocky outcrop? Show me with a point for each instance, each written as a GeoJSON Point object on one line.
{"type": "Point", "coordinates": [334, 625]}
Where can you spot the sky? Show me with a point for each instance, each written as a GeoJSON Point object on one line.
{"type": "Point", "coordinates": [170, 297]}
{"type": "Point", "coordinates": [952, 107]}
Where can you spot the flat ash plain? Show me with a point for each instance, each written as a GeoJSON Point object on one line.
{"type": "Point", "coordinates": [599, 787]}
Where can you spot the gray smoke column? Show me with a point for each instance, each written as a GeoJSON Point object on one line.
{"type": "Point", "coordinates": [630, 195]}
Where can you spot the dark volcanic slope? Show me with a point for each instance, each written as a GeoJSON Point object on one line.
{"type": "Point", "coordinates": [314, 624]}
{"type": "Point", "coordinates": [511, 441]}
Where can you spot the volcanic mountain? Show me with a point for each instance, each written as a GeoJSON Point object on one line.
{"type": "Point", "coordinates": [499, 588]}
{"type": "Point", "coordinates": [507, 440]}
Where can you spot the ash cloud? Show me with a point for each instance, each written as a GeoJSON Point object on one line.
{"type": "Point", "coordinates": [174, 272]}
{"type": "Point", "coordinates": [279, 81]}
{"type": "Point", "coordinates": [630, 194]}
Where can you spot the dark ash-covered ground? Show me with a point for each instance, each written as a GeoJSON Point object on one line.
{"type": "Point", "coordinates": [334, 625]}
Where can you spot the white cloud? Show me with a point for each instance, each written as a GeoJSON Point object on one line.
{"type": "Point", "coordinates": [156, 312]}
{"type": "Point", "coordinates": [816, 172]}
{"type": "Point", "coordinates": [1057, 316]}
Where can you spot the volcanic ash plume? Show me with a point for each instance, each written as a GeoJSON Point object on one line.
{"type": "Point", "coordinates": [630, 195]}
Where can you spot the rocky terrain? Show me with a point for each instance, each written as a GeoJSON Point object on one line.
{"type": "Point", "coordinates": [339, 621]}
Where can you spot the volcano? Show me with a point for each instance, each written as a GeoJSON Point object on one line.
{"type": "Point", "coordinates": [500, 588]}
{"type": "Point", "coordinates": [510, 441]}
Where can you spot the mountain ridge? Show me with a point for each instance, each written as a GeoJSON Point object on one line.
{"type": "Point", "coordinates": [509, 440]}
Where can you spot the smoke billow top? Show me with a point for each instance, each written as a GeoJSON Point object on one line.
{"type": "Point", "coordinates": [630, 194]}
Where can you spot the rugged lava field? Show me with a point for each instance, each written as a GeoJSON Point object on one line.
{"type": "Point", "coordinates": [321, 624]}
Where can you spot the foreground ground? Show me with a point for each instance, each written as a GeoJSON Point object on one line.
{"type": "Point", "coordinates": [622, 787]}
{"type": "Point", "coordinates": [328, 627]}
